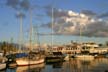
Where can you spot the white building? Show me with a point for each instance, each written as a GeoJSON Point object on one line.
{"type": "Point", "coordinates": [93, 48]}
{"type": "Point", "coordinates": [70, 49]}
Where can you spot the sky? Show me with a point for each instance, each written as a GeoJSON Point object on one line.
{"type": "Point", "coordinates": [77, 20]}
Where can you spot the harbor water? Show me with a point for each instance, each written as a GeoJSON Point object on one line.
{"type": "Point", "coordinates": [73, 65]}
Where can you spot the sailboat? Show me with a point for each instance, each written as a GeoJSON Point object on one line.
{"type": "Point", "coordinates": [83, 56]}
{"type": "Point", "coordinates": [11, 63]}
{"type": "Point", "coordinates": [33, 57]}
{"type": "Point", "coordinates": [30, 60]}
{"type": "Point", "coordinates": [2, 61]}
{"type": "Point", "coordinates": [31, 68]}
{"type": "Point", "coordinates": [54, 57]}
{"type": "Point", "coordinates": [2, 65]}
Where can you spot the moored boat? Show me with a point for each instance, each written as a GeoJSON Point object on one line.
{"type": "Point", "coordinates": [84, 57]}
{"type": "Point", "coordinates": [54, 58]}
{"type": "Point", "coordinates": [12, 65]}
{"type": "Point", "coordinates": [26, 62]}
{"type": "Point", "coordinates": [2, 63]}
{"type": "Point", "coordinates": [106, 55]}
{"type": "Point", "coordinates": [32, 59]}
{"type": "Point", "coordinates": [67, 58]}
{"type": "Point", "coordinates": [31, 67]}
{"type": "Point", "coordinates": [2, 66]}
{"type": "Point", "coordinates": [3, 60]}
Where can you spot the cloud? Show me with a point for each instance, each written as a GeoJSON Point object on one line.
{"type": "Point", "coordinates": [18, 4]}
{"type": "Point", "coordinates": [98, 28]}
{"type": "Point", "coordinates": [88, 13]}
{"type": "Point", "coordinates": [57, 13]}
{"type": "Point", "coordinates": [20, 14]}
{"type": "Point", "coordinates": [25, 4]}
{"type": "Point", "coordinates": [68, 22]}
{"type": "Point", "coordinates": [13, 3]}
{"type": "Point", "coordinates": [48, 25]}
{"type": "Point", "coordinates": [103, 15]}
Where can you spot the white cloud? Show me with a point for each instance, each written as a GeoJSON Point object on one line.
{"type": "Point", "coordinates": [71, 13]}
{"type": "Point", "coordinates": [70, 22]}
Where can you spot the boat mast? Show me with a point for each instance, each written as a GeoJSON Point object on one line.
{"type": "Point", "coordinates": [38, 40]}
{"type": "Point", "coordinates": [80, 33]}
{"type": "Point", "coordinates": [21, 34]}
{"type": "Point", "coordinates": [30, 11]}
{"type": "Point", "coordinates": [36, 34]}
{"type": "Point", "coordinates": [52, 27]}
{"type": "Point", "coordinates": [11, 44]}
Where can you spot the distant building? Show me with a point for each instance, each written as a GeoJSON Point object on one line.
{"type": "Point", "coordinates": [70, 49]}
{"type": "Point", "coordinates": [93, 48]}
{"type": "Point", "coordinates": [76, 48]}
{"type": "Point", "coordinates": [99, 50]}
{"type": "Point", "coordinates": [89, 46]}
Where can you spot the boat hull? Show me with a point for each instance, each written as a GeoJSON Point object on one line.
{"type": "Point", "coordinates": [85, 57]}
{"type": "Point", "coordinates": [29, 62]}
{"type": "Point", "coordinates": [12, 65]}
{"type": "Point", "coordinates": [106, 55]}
{"type": "Point", "coordinates": [49, 60]}
{"type": "Point", "coordinates": [2, 66]}
{"type": "Point", "coordinates": [31, 67]}
{"type": "Point", "coordinates": [67, 58]}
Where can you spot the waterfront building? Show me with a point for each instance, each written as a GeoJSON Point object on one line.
{"type": "Point", "coordinates": [89, 46]}
{"type": "Point", "coordinates": [100, 50]}
{"type": "Point", "coordinates": [72, 49]}
{"type": "Point", "coordinates": [92, 47]}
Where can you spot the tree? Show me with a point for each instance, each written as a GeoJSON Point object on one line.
{"type": "Point", "coordinates": [106, 43]}
{"type": "Point", "coordinates": [100, 44]}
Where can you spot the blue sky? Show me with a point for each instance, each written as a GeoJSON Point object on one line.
{"type": "Point", "coordinates": [10, 24]}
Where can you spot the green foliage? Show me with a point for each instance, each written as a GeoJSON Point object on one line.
{"type": "Point", "coordinates": [5, 46]}
{"type": "Point", "coordinates": [106, 43]}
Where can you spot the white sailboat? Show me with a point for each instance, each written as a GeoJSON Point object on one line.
{"type": "Point", "coordinates": [2, 66]}
{"type": "Point", "coordinates": [30, 68]}
{"type": "Point", "coordinates": [2, 62]}
{"type": "Point", "coordinates": [27, 61]}
{"type": "Point", "coordinates": [53, 57]}
{"type": "Point", "coordinates": [33, 58]}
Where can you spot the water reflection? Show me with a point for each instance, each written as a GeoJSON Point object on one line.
{"type": "Point", "coordinates": [73, 65]}
{"type": "Point", "coordinates": [57, 65]}
{"type": "Point", "coordinates": [76, 65]}
{"type": "Point", "coordinates": [10, 70]}
{"type": "Point", "coordinates": [31, 68]}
